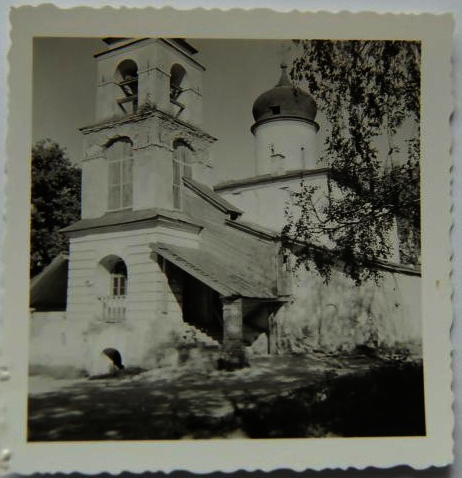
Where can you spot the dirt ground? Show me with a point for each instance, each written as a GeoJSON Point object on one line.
{"type": "Point", "coordinates": [178, 403]}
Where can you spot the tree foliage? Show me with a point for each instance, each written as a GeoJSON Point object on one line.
{"type": "Point", "coordinates": [55, 202]}
{"type": "Point", "coordinates": [369, 93]}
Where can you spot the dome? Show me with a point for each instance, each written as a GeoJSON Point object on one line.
{"type": "Point", "coordinates": [284, 100]}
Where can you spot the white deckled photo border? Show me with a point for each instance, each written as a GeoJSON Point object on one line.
{"type": "Point", "coordinates": [435, 449]}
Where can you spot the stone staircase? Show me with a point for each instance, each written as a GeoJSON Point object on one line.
{"type": "Point", "coordinates": [207, 336]}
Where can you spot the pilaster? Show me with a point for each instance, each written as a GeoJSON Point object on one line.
{"type": "Point", "coordinates": [233, 345]}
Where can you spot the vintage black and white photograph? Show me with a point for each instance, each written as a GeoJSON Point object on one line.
{"type": "Point", "coordinates": [225, 239]}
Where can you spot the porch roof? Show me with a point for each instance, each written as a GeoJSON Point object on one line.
{"type": "Point", "coordinates": [227, 275]}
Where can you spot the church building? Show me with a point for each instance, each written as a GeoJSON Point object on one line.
{"type": "Point", "coordinates": [165, 263]}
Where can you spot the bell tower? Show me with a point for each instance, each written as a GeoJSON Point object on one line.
{"type": "Point", "coordinates": [147, 133]}
{"type": "Point", "coordinates": [134, 74]}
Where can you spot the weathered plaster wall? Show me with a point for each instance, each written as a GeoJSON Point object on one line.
{"type": "Point", "coordinates": [285, 145]}
{"type": "Point", "coordinates": [340, 316]}
{"type": "Point", "coordinates": [333, 318]}
{"type": "Point", "coordinates": [78, 344]}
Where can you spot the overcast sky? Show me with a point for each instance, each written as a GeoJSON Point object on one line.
{"type": "Point", "coordinates": [237, 72]}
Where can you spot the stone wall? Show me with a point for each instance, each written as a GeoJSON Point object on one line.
{"type": "Point", "coordinates": [340, 316]}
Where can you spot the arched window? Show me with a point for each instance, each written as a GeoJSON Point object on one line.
{"type": "Point", "coordinates": [177, 75]}
{"type": "Point", "coordinates": [120, 167]}
{"type": "Point", "coordinates": [119, 279]}
{"type": "Point", "coordinates": [127, 79]}
{"type": "Point", "coordinates": [181, 168]}
{"type": "Point", "coordinates": [112, 287]}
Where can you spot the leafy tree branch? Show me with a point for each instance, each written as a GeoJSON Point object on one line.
{"type": "Point", "coordinates": [55, 202]}
{"type": "Point", "coordinates": [369, 92]}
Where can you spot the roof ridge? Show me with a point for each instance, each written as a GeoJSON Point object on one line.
{"type": "Point", "coordinates": [212, 197]}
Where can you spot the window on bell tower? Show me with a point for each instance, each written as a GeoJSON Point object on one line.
{"type": "Point", "coordinates": [181, 169]}
{"type": "Point", "coordinates": [177, 76]}
{"type": "Point", "coordinates": [127, 80]}
{"type": "Point", "coordinates": [119, 156]}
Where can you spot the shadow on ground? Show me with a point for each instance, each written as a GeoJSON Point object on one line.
{"type": "Point", "coordinates": [278, 397]}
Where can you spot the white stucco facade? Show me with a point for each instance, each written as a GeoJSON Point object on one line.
{"type": "Point", "coordinates": [285, 145]}
{"type": "Point", "coordinates": [266, 200]}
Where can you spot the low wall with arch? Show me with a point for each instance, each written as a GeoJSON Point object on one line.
{"type": "Point", "coordinates": [64, 348]}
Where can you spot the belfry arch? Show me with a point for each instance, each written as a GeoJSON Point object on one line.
{"type": "Point", "coordinates": [126, 77]}
{"type": "Point", "coordinates": [177, 81]}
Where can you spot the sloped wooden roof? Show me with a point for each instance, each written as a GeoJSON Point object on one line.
{"type": "Point", "coordinates": [227, 273]}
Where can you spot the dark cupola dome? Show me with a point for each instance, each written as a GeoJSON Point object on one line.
{"type": "Point", "coordinates": [284, 100]}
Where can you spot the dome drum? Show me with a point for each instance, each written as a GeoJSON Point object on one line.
{"type": "Point", "coordinates": [285, 129]}
{"type": "Point", "coordinates": [280, 117]}
{"type": "Point", "coordinates": [282, 146]}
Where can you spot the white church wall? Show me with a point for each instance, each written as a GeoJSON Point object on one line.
{"type": "Point", "coordinates": [78, 345]}
{"type": "Point", "coordinates": [285, 145]}
{"type": "Point", "coordinates": [56, 345]}
{"type": "Point", "coordinates": [265, 203]}
{"type": "Point", "coordinates": [153, 319]}
{"type": "Point", "coordinates": [152, 178]}
{"type": "Point", "coordinates": [340, 316]}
